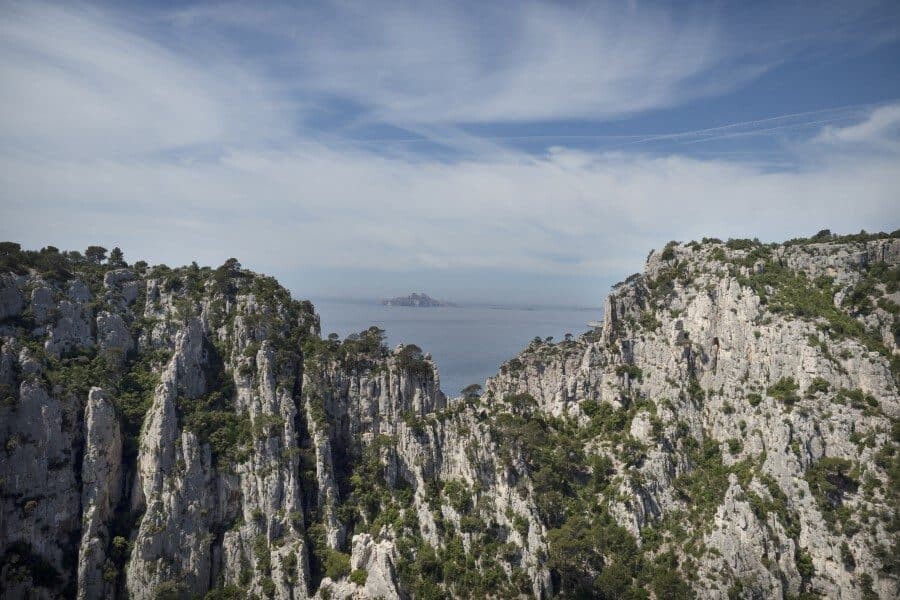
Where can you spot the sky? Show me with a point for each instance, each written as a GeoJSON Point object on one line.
{"type": "Point", "coordinates": [508, 152]}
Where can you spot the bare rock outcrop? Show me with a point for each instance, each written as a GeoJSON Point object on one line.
{"type": "Point", "coordinates": [101, 481]}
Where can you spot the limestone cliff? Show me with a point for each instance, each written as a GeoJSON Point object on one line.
{"type": "Point", "coordinates": [731, 431]}
{"type": "Point", "coordinates": [743, 398]}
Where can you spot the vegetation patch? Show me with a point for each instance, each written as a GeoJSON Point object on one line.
{"type": "Point", "coordinates": [784, 390]}
{"type": "Point", "coordinates": [213, 419]}
{"type": "Point", "coordinates": [830, 480]}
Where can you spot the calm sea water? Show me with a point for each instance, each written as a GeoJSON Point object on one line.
{"type": "Point", "coordinates": [467, 343]}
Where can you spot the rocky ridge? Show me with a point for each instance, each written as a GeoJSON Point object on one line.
{"type": "Point", "coordinates": [730, 431]}
{"type": "Point", "coordinates": [744, 397]}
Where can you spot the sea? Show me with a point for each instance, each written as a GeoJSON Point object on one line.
{"type": "Point", "coordinates": [468, 343]}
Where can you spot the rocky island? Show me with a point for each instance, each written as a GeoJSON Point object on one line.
{"type": "Point", "coordinates": [415, 300]}
{"type": "Point", "coordinates": [730, 431]}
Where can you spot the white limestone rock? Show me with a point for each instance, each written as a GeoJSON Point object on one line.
{"type": "Point", "coordinates": [113, 337]}
{"type": "Point", "coordinates": [72, 329]}
{"type": "Point", "coordinates": [100, 493]}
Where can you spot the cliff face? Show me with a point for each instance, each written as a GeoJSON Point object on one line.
{"type": "Point", "coordinates": [745, 397]}
{"type": "Point", "coordinates": [175, 433]}
{"type": "Point", "coordinates": [731, 431]}
{"type": "Point", "coordinates": [148, 448]}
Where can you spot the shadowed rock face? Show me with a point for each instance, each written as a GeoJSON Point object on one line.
{"type": "Point", "coordinates": [730, 431]}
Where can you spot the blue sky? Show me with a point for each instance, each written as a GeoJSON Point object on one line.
{"type": "Point", "coordinates": [521, 152]}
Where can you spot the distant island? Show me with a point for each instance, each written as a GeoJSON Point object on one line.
{"type": "Point", "coordinates": [416, 300]}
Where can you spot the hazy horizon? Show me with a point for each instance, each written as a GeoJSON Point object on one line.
{"type": "Point", "coordinates": [456, 303]}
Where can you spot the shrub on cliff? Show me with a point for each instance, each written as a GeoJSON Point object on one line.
{"type": "Point", "coordinates": [410, 359]}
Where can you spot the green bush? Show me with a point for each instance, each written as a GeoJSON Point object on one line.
{"type": "Point", "coordinates": [664, 283]}
{"type": "Point", "coordinates": [169, 590]}
{"type": "Point", "coordinates": [457, 493]}
{"type": "Point", "coordinates": [262, 554]}
{"type": "Point", "coordinates": [411, 359]}
{"type": "Point", "coordinates": [817, 386]}
{"type": "Point", "coordinates": [632, 371]}
{"type": "Point", "coordinates": [359, 576]}
{"type": "Point", "coordinates": [741, 244]}
{"type": "Point", "coordinates": [227, 592]}
{"type": "Point", "coordinates": [594, 557]}
{"type": "Point", "coordinates": [668, 252]}
{"type": "Point", "coordinates": [695, 390]}
{"type": "Point", "coordinates": [649, 322]}
{"type": "Point", "coordinates": [666, 581]}
{"type": "Point", "coordinates": [337, 565]}
{"type": "Point", "coordinates": [830, 479]}
{"type": "Point", "coordinates": [847, 556]}
{"type": "Point", "coordinates": [785, 390]}
{"type": "Point", "coordinates": [704, 486]}
{"type": "Point", "coordinates": [213, 419]}
{"type": "Point", "coordinates": [805, 564]}
{"type": "Point", "coordinates": [268, 586]}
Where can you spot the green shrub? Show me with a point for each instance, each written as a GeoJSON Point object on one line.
{"type": "Point", "coordinates": [857, 398]}
{"type": "Point", "coordinates": [337, 565]}
{"type": "Point", "coordinates": [262, 554]}
{"type": "Point", "coordinates": [865, 582]}
{"type": "Point", "coordinates": [268, 586]}
{"type": "Point", "coordinates": [704, 486]}
{"type": "Point", "coordinates": [785, 390]}
{"type": "Point", "coordinates": [666, 580]}
{"type": "Point", "coordinates": [649, 322]}
{"type": "Point", "coordinates": [741, 244]}
{"type": "Point", "coordinates": [695, 390]}
{"type": "Point", "coordinates": [805, 564]}
{"type": "Point", "coordinates": [227, 592]}
{"type": "Point", "coordinates": [459, 496]}
{"type": "Point", "coordinates": [472, 390]}
{"type": "Point", "coordinates": [213, 419]}
{"type": "Point", "coordinates": [289, 564]}
{"type": "Point", "coordinates": [168, 590]}
{"type": "Point", "coordinates": [632, 371]}
{"type": "Point", "coordinates": [359, 576]}
{"type": "Point", "coordinates": [578, 548]}
{"type": "Point", "coordinates": [411, 359]}
{"type": "Point", "coordinates": [847, 556]}
{"type": "Point", "coordinates": [668, 252]}
{"type": "Point", "coordinates": [830, 479]}
{"type": "Point", "coordinates": [513, 366]}
{"type": "Point", "coordinates": [817, 386]}
{"type": "Point", "coordinates": [664, 283]}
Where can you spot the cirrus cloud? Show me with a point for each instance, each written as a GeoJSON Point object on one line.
{"type": "Point", "coordinates": [219, 131]}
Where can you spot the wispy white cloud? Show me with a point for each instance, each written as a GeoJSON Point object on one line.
{"type": "Point", "coordinates": [880, 128]}
{"type": "Point", "coordinates": [179, 147]}
{"type": "Point", "coordinates": [473, 62]}
{"type": "Point", "coordinates": [483, 62]}
{"type": "Point", "coordinates": [351, 209]}
{"type": "Point", "coordinates": [79, 82]}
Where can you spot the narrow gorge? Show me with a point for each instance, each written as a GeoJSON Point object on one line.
{"type": "Point", "coordinates": [731, 431]}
